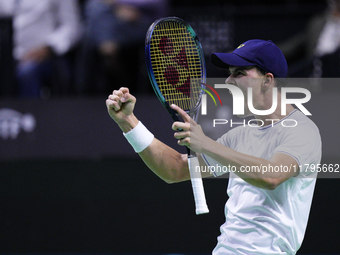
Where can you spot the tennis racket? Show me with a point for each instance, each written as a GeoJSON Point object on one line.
{"type": "Point", "coordinates": [176, 69]}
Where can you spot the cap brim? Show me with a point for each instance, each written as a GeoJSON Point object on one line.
{"type": "Point", "coordinates": [224, 60]}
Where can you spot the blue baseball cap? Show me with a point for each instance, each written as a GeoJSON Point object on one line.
{"type": "Point", "coordinates": [264, 54]}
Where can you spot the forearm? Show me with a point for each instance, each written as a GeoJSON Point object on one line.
{"type": "Point", "coordinates": [190, 134]}
{"type": "Point", "coordinates": [128, 123]}
{"type": "Point", "coordinates": [247, 167]}
{"type": "Point", "coordinates": [165, 162]}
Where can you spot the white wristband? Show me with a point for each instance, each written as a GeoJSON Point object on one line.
{"type": "Point", "coordinates": [139, 137]}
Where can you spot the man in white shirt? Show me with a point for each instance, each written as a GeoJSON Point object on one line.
{"type": "Point", "coordinates": [42, 29]}
{"type": "Point", "coordinates": [267, 211]}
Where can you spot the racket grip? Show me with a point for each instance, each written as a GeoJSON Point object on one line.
{"type": "Point", "coordinates": [197, 186]}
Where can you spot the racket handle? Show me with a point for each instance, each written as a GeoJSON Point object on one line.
{"type": "Point", "coordinates": [197, 186]}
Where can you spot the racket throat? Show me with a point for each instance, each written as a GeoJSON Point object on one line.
{"type": "Point", "coordinates": [172, 112]}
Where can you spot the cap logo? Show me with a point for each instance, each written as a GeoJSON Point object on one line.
{"type": "Point", "coordinates": [241, 45]}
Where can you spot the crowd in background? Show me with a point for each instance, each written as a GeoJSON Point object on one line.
{"type": "Point", "coordinates": [88, 47]}
{"type": "Point", "coordinates": [77, 47]}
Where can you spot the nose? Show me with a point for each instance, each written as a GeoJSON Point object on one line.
{"type": "Point", "coordinates": [230, 80]}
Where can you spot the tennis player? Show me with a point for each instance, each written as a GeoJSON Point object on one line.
{"type": "Point", "coordinates": [267, 210]}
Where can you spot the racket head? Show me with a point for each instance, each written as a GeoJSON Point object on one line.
{"type": "Point", "coordinates": [175, 64]}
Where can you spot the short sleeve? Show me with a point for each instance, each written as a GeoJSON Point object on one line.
{"type": "Point", "coordinates": [303, 143]}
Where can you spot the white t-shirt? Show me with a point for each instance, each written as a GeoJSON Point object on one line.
{"type": "Point", "coordinates": [260, 221]}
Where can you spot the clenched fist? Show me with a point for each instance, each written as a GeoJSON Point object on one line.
{"type": "Point", "coordinates": [120, 105]}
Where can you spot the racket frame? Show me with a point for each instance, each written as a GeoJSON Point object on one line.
{"type": "Point", "coordinates": [196, 179]}
{"type": "Point", "coordinates": [193, 112]}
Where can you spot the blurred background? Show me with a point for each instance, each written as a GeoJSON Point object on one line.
{"type": "Point", "coordinates": [70, 183]}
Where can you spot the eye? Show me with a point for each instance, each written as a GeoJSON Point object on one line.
{"type": "Point", "coordinates": [239, 72]}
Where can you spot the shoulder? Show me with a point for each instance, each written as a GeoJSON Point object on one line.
{"type": "Point", "coordinates": [303, 124]}
{"type": "Point", "coordinates": [304, 135]}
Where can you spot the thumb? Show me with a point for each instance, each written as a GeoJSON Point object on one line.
{"type": "Point", "coordinates": [128, 98]}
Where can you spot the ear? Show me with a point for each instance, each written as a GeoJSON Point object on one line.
{"type": "Point", "coordinates": [268, 81]}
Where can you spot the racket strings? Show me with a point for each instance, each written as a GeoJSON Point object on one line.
{"type": "Point", "coordinates": [176, 63]}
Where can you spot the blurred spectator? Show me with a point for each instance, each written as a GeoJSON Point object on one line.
{"type": "Point", "coordinates": [44, 31]}
{"type": "Point", "coordinates": [321, 39]}
{"type": "Point", "coordinates": [115, 32]}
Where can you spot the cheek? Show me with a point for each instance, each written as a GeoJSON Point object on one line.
{"type": "Point", "coordinates": [244, 84]}
{"type": "Point", "coordinates": [243, 87]}
{"type": "Point", "coordinates": [255, 95]}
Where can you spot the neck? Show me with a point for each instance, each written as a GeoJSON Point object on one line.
{"type": "Point", "coordinates": [276, 115]}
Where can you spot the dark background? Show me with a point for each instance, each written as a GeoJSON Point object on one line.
{"type": "Point", "coordinates": [74, 185]}
{"type": "Point", "coordinates": [118, 206]}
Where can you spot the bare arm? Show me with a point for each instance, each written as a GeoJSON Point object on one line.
{"type": "Point", "coordinates": [165, 162]}
{"type": "Point", "coordinates": [266, 180]}
{"type": "Point", "coordinates": [191, 135]}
